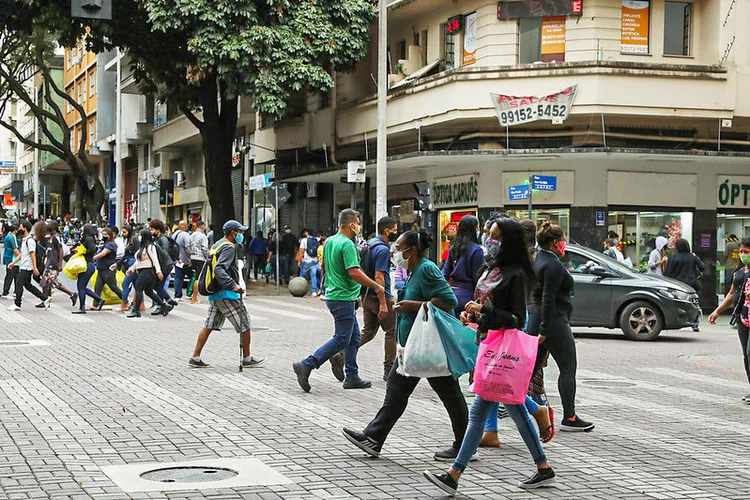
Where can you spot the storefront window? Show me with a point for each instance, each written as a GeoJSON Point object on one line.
{"type": "Point", "coordinates": [638, 230]}
{"type": "Point", "coordinates": [559, 216]}
{"type": "Point", "coordinates": [448, 227]}
{"type": "Point", "coordinates": [731, 228]}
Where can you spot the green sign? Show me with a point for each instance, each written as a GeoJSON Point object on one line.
{"type": "Point", "coordinates": [733, 192]}
{"type": "Point", "coordinates": [454, 191]}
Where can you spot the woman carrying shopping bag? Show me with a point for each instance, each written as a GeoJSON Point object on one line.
{"type": "Point", "coordinates": [500, 309]}
{"type": "Point", "coordinates": [425, 284]}
{"type": "Point", "coordinates": [88, 241]}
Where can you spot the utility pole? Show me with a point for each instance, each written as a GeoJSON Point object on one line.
{"type": "Point", "coordinates": [119, 188]}
{"type": "Point", "coordinates": [381, 185]}
{"type": "Point", "coordinates": [37, 157]}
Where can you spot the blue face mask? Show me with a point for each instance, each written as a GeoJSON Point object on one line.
{"type": "Point", "coordinates": [239, 238]}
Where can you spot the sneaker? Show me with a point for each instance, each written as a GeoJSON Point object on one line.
{"type": "Point", "coordinates": [6, 297]}
{"type": "Point", "coordinates": [543, 477]}
{"type": "Point", "coordinates": [443, 481]}
{"type": "Point", "coordinates": [357, 383]}
{"type": "Point", "coordinates": [450, 455]}
{"type": "Point", "coordinates": [322, 297]}
{"type": "Point", "coordinates": [99, 304]}
{"type": "Point", "coordinates": [47, 302]}
{"type": "Point", "coordinates": [41, 305]}
{"type": "Point", "coordinates": [576, 425]}
{"type": "Point", "coordinates": [337, 366]}
{"type": "Point", "coordinates": [253, 362]}
{"type": "Point", "coordinates": [746, 399]}
{"type": "Point", "coordinates": [133, 314]}
{"type": "Point", "coordinates": [303, 375]}
{"type": "Point", "coordinates": [74, 299]}
{"type": "Point", "coordinates": [156, 311]}
{"type": "Point", "coordinates": [314, 294]}
{"type": "Point", "coordinates": [166, 309]}
{"type": "Point", "coordinates": [78, 311]}
{"type": "Point", "coordinates": [361, 441]}
{"type": "Point", "coordinates": [14, 308]}
{"type": "Point", "coordinates": [178, 299]}
{"type": "Point", "coordinates": [172, 302]}
{"type": "Point", "coordinates": [198, 364]}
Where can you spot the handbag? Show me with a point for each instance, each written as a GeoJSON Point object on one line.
{"type": "Point", "coordinates": [458, 341]}
{"type": "Point", "coordinates": [423, 355]}
{"type": "Point", "coordinates": [505, 363]}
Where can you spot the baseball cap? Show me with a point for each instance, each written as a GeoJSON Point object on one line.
{"type": "Point", "coordinates": [233, 225]}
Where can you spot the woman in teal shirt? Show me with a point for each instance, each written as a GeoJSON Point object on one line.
{"type": "Point", "coordinates": [425, 284]}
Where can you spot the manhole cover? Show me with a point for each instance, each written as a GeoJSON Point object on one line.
{"type": "Point", "coordinates": [606, 384]}
{"type": "Point", "coordinates": [188, 474]}
{"type": "Point", "coordinates": [13, 343]}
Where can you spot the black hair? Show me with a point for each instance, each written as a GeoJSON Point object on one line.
{"type": "Point", "coordinates": [548, 233]}
{"type": "Point", "coordinates": [26, 225]}
{"type": "Point", "coordinates": [200, 223]}
{"type": "Point", "coordinates": [146, 239]}
{"type": "Point", "coordinates": [88, 230]}
{"type": "Point", "coordinates": [158, 225]}
{"type": "Point", "coordinates": [421, 240]}
{"type": "Point", "coordinates": [129, 229]}
{"type": "Point", "coordinates": [347, 216]}
{"type": "Point", "coordinates": [529, 231]}
{"type": "Point", "coordinates": [386, 223]}
{"type": "Point", "coordinates": [514, 251]}
{"type": "Point", "coordinates": [745, 242]}
{"type": "Point", "coordinates": [682, 245]}
{"type": "Point", "coordinates": [613, 235]}
{"type": "Point", "coordinates": [465, 236]}
{"type": "Point", "coordinates": [13, 227]}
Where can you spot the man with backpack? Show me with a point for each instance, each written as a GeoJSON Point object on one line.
{"type": "Point", "coordinates": [169, 253]}
{"type": "Point", "coordinates": [226, 302]}
{"type": "Point", "coordinates": [27, 268]}
{"type": "Point", "coordinates": [183, 264]}
{"type": "Point", "coordinates": [308, 245]}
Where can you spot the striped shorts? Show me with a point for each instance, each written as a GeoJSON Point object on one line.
{"type": "Point", "coordinates": [233, 310]}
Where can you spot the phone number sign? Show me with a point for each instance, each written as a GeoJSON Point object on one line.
{"type": "Point", "coordinates": [515, 110]}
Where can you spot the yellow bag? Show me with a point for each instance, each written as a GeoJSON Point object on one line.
{"type": "Point", "coordinates": [107, 294]}
{"type": "Point", "coordinates": [76, 265]}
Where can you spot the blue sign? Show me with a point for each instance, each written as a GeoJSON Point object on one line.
{"type": "Point", "coordinates": [600, 218]}
{"type": "Point", "coordinates": [518, 192]}
{"type": "Point", "coordinates": [261, 181]}
{"type": "Point", "coordinates": [545, 182]}
{"type": "Point", "coordinates": [7, 163]}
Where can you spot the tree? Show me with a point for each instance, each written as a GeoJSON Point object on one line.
{"type": "Point", "coordinates": [23, 54]}
{"type": "Point", "coordinates": [203, 54]}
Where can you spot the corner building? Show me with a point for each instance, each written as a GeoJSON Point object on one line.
{"type": "Point", "coordinates": [655, 140]}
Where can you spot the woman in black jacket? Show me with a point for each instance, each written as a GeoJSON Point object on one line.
{"type": "Point", "coordinates": [684, 266]}
{"type": "Point", "coordinates": [500, 304]}
{"type": "Point", "coordinates": [88, 240]}
{"type": "Point", "coordinates": [549, 314]}
{"type": "Point", "coordinates": [132, 245]}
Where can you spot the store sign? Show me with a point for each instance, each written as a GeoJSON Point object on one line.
{"type": "Point", "coordinates": [536, 8]}
{"type": "Point", "coordinates": [7, 163]}
{"type": "Point", "coordinates": [516, 110]}
{"type": "Point", "coordinates": [454, 24]}
{"type": "Point", "coordinates": [470, 39]}
{"type": "Point", "coordinates": [553, 35]}
{"type": "Point", "coordinates": [261, 181]}
{"type": "Point", "coordinates": [634, 26]}
{"type": "Point", "coordinates": [516, 193]}
{"type": "Point", "coordinates": [455, 191]}
{"type": "Point", "coordinates": [733, 191]}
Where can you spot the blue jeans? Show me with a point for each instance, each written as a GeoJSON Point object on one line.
{"type": "Point", "coordinates": [477, 417]}
{"type": "Point", "coordinates": [490, 425]}
{"type": "Point", "coordinates": [162, 287]}
{"type": "Point", "coordinates": [82, 285]}
{"type": "Point", "coordinates": [127, 284]}
{"type": "Point", "coordinates": [312, 268]}
{"type": "Point", "coordinates": [345, 338]}
{"type": "Point", "coordinates": [179, 278]}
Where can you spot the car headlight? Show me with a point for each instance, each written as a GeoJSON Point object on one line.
{"type": "Point", "coordinates": [671, 293]}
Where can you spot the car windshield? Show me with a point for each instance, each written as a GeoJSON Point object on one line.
{"type": "Point", "coordinates": [601, 258]}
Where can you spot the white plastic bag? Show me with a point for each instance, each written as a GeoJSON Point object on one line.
{"type": "Point", "coordinates": [424, 355]}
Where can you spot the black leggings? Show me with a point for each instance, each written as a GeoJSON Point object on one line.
{"type": "Point", "coordinates": [561, 344]}
{"type": "Point", "coordinates": [744, 333]}
{"type": "Point", "coordinates": [109, 278]}
{"type": "Point", "coordinates": [145, 283]}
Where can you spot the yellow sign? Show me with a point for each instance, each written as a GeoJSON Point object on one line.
{"type": "Point", "coordinates": [553, 35]}
{"type": "Point", "coordinates": [634, 28]}
{"type": "Point", "coordinates": [470, 38]}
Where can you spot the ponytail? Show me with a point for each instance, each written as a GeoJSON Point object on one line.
{"type": "Point", "coordinates": [548, 233]}
{"type": "Point", "coordinates": [421, 240]}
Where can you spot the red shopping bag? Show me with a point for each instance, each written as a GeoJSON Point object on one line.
{"type": "Point", "coordinates": [505, 363]}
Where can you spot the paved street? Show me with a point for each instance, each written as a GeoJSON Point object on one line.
{"type": "Point", "coordinates": [105, 390]}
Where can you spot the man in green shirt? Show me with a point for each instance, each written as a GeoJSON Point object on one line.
{"type": "Point", "coordinates": [343, 280]}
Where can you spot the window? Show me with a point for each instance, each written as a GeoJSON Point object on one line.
{"type": "Point", "coordinates": [449, 48]}
{"type": "Point", "coordinates": [677, 20]}
{"type": "Point", "coordinates": [576, 263]}
{"type": "Point", "coordinates": [67, 102]}
{"type": "Point", "coordinates": [13, 148]}
{"type": "Point", "coordinates": [92, 132]}
{"type": "Point", "coordinates": [541, 39]}
{"type": "Point", "coordinates": [402, 49]}
{"type": "Point", "coordinates": [529, 40]}
{"type": "Point", "coordinates": [92, 83]}
{"type": "Point", "coordinates": [70, 57]}
{"type": "Point", "coordinates": [80, 93]}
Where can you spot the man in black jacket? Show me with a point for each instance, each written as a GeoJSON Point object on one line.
{"type": "Point", "coordinates": [287, 252]}
{"type": "Point", "coordinates": [227, 303]}
{"type": "Point", "coordinates": [158, 230]}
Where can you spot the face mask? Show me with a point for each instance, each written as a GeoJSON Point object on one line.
{"type": "Point", "coordinates": [288, 231]}
{"type": "Point", "coordinates": [105, 237]}
{"type": "Point", "coordinates": [356, 228]}
{"type": "Point", "coordinates": [239, 238]}
{"type": "Point", "coordinates": [392, 237]}
{"type": "Point", "coordinates": [493, 247]}
{"type": "Point", "coordinates": [400, 261]}
{"type": "Point", "coordinates": [561, 247]}
{"type": "Point", "coordinates": [745, 258]}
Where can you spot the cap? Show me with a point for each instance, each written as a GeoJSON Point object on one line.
{"type": "Point", "coordinates": [233, 225]}
{"type": "Point", "coordinates": [286, 226]}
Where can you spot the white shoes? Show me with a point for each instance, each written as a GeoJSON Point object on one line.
{"type": "Point", "coordinates": [315, 294]}
{"type": "Point", "coordinates": [14, 308]}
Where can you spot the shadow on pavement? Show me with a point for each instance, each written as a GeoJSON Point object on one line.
{"type": "Point", "coordinates": [617, 335]}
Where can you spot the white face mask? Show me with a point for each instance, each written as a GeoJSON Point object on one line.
{"type": "Point", "coordinates": [399, 260]}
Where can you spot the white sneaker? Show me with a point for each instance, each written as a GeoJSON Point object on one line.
{"type": "Point", "coordinates": [322, 297]}
{"type": "Point", "coordinates": [47, 302]}
{"type": "Point", "coordinates": [4, 297]}
{"type": "Point", "coordinates": [14, 308]}
{"type": "Point", "coordinates": [314, 294]}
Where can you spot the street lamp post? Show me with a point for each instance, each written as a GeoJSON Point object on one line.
{"type": "Point", "coordinates": [381, 186]}
{"type": "Point", "coordinates": [119, 190]}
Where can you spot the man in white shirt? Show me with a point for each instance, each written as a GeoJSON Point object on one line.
{"type": "Point", "coordinates": [27, 268]}
{"type": "Point", "coordinates": [308, 245]}
{"type": "Point", "coordinates": [610, 250]}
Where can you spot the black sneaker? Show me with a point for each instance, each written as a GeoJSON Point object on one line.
{"type": "Point", "coordinates": [198, 364]}
{"type": "Point", "coordinates": [303, 375]}
{"type": "Point", "coordinates": [78, 311]}
{"type": "Point", "coordinates": [543, 477]}
{"type": "Point", "coordinates": [361, 441]}
{"type": "Point", "coordinates": [99, 305]}
{"type": "Point", "coordinates": [41, 305]}
{"type": "Point", "coordinates": [253, 362]}
{"type": "Point", "coordinates": [156, 311]}
{"type": "Point", "coordinates": [357, 383]}
{"type": "Point", "coordinates": [443, 481]}
{"type": "Point", "coordinates": [172, 302]}
{"type": "Point", "coordinates": [746, 399]}
{"type": "Point", "coordinates": [133, 314]}
{"type": "Point", "coordinates": [337, 366]}
{"type": "Point", "coordinates": [450, 455]}
{"type": "Point", "coordinates": [74, 299]}
{"type": "Point", "coordinates": [576, 425]}
{"type": "Point", "coordinates": [166, 309]}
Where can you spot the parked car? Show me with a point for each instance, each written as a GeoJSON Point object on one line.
{"type": "Point", "coordinates": [611, 295]}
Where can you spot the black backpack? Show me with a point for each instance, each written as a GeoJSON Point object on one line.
{"type": "Point", "coordinates": [41, 253]}
{"type": "Point", "coordinates": [365, 261]}
{"type": "Point", "coordinates": [312, 246]}
{"type": "Point", "coordinates": [174, 249]}
{"type": "Point", "coordinates": [165, 259]}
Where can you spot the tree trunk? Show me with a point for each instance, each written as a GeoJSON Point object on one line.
{"type": "Point", "coordinates": [90, 193]}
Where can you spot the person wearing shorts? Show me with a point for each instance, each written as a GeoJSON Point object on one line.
{"type": "Point", "coordinates": [226, 304]}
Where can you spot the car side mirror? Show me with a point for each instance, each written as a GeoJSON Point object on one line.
{"type": "Point", "coordinates": [599, 271]}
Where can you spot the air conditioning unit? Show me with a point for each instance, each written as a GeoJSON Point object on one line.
{"type": "Point", "coordinates": [179, 179]}
{"type": "Point", "coordinates": [76, 60]}
{"type": "Point", "coordinates": [312, 189]}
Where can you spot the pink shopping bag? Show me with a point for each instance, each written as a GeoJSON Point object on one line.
{"type": "Point", "coordinates": [505, 363]}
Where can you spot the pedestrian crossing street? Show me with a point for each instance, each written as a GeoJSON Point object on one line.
{"type": "Point", "coordinates": [260, 310]}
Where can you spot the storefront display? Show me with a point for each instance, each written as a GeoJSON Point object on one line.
{"type": "Point", "coordinates": [730, 229]}
{"type": "Point", "coordinates": [559, 216]}
{"type": "Point", "coordinates": [637, 232]}
{"type": "Point", "coordinates": [448, 227]}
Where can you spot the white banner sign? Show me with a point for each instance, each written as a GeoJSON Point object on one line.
{"type": "Point", "coordinates": [514, 110]}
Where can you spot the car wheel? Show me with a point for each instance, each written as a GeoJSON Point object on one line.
{"type": "Point", "coordinates": [641, 320]}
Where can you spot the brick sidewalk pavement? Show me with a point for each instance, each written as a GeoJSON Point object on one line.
{"type": "Point", "coordinates": [107, 390]}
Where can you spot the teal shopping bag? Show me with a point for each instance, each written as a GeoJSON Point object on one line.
{"type": "Point", "coordinates": [458, 341]}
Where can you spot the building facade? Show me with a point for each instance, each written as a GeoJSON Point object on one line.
{"type": "Point", "coordinates": [632, 110]}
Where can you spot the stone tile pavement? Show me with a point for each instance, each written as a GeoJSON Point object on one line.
{"type": "Point", "coordinates": [108, 390]}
